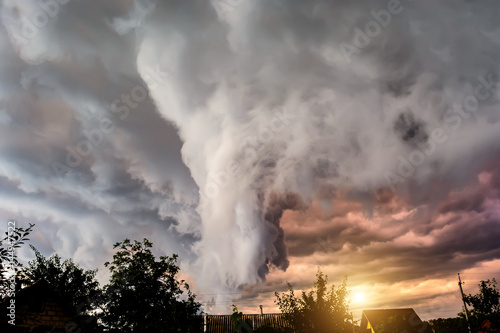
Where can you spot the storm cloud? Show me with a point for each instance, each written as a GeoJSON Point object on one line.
{"type": "Point", "coordinates": [254, 136]}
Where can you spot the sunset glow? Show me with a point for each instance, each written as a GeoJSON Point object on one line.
{"type": "Point", "coordinates": [359, 298]}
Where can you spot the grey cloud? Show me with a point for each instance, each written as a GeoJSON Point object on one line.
{"type": "Point", "coordinates": [248, 106]}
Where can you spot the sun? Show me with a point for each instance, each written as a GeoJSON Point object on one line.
{"type": "Point", "coordinates": [359, 297]}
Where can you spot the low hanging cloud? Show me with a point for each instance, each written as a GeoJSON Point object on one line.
{"type": "Point", "coordinates": [239, 133]}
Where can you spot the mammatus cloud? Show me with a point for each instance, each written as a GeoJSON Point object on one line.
{"type": "Point", "coordinates": [249, 135]}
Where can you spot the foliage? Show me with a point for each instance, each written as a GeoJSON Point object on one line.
{"type": "Point", "coordinates": [240, 325]}
{"type": "Point", "coordinates": [14, 238]}
{"type": "Point", "coordinates": [321, 310]}
{"type": "Point", "coordinates": [449, 325]}
{"type": "Point", "coordinates": [485, 305]}
{"type": "Point", "coordinates": [143, 294]}
{"type": "Point", "coordinates": [74, 284]}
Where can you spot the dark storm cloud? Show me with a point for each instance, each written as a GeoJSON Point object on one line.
{"type": "Point", "coordinates": [409, 129]}
{"type": "Point", "coordinates": [195, 122]}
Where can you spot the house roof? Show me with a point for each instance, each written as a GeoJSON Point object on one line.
{"type": "Point", "coordinates": [402, 319]}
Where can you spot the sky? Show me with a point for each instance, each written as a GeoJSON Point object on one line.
{"type": "Point", "coordinates": [260, 140]}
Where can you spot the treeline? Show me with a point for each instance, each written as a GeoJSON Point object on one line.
{"type": "Point", "coordinates": [144, 294]}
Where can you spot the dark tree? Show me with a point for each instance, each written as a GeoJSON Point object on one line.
{"type": "Point", "coordinates": [74, 284]}
{"type": "Point", "coordinates": [322, 310]}
{"type": "Point", "coordinates": [449, 325]}
{"type": "Point", "coordinates": [143, 294]}
{"type": "Point", "coordinates": [9, 265]}
{"type": "Point", "coordinates": [485, 305]}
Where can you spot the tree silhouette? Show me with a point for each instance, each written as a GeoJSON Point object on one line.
{"type": "Point", "coordinates": [74, 284]}
{"type": "Point", "coordinates": [143, 294]}
{"type": "Point", "coordinates": [9, 265]}
{"type": "Point", "coordinates": [321, 310]}
{"type": "Point", "coordinates": [449, 325]}
{"type": "Point", "coordinates": [485, 304]}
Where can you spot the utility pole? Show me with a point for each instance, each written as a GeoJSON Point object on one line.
{"type": "Point", "coordinates": [463, 300]}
